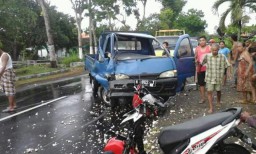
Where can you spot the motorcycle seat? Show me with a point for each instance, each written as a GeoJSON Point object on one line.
{"type": "Point", "coordinates": [174, 135]}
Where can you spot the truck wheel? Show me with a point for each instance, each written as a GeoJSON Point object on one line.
{"type": "Point", "coordinates": [95, 87]}
{"type": "Point", "coordinates": [104, 97]}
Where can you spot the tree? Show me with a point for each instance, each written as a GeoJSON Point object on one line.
{"type": "Point", "coordinates": [169, 13]}
{"type": "Point", "coordinates": [237, 11]}
{"type": "Point", "coordinates": [17, 22]}
{"type": "Point", "coordinates": [50, 43]}
{"type": "Point", "coordinates": [78, 7]}
{"type": "Point", "coordinates": [166, 17]}
{"type": "Point", "coordinates": [192, 22]}
{"type": "Point", "coordinates": [144, 3]}
{"type": "Point", "coordinates": [175, 5]}
{"type": "Point", "coordinates": [64, 29]}
{"type": "Point", "coordinates": [150, 24]}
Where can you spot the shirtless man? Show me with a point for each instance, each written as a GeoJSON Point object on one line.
{"type": "Point", "coordinates": [234, 57]}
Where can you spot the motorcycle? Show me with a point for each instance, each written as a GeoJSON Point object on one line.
{"type": "Point", "coordinates": [198, 136]}
{"type": "Point", "coordinates": [146, 106]}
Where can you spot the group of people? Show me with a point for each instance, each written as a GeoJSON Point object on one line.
{"type": "Point", "coordinates": [215, 62]}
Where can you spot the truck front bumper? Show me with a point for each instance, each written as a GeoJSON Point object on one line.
{"type": "Point", "coordinates": [125, 88]}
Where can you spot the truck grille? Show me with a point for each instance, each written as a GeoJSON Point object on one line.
{"type": "Point", "coordinates": [145, 77]}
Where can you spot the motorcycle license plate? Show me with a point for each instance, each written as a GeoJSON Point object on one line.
{"type": "Point", "coordinates": [148, 83]}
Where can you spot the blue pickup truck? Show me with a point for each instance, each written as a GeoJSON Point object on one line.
{"type": "Point", "coordinates": [124, 57]}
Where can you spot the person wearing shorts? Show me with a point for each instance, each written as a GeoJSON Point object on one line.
{"type": "Point", "coordinates": [7, 79]}
{"type": "Point", "coordinates": [215, 68]}
{"type": "Point", "coordinates": [201, 50]}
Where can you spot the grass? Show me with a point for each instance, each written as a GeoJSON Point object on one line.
{"type": "Point", "coordinates": [73, 57]}
{"type": "Point", "coordinates": [34, 69]}
{"type": "Point", "coordinates": [72, 72]}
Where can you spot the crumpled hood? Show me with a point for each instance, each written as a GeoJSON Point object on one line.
{"type": "Point", "coordinates": [144, 66]}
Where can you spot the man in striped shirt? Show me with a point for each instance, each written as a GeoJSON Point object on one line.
{"type": "Point", "coordinates": [215, 67]}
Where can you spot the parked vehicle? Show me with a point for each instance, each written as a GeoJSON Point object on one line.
{"type": "Point", "coordinates": [124, 57]}
{"type": "Point", "coordinates": [199, 136]}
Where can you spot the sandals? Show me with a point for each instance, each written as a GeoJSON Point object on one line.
{"type": "Point", "coordinates": [201, 101]}
{"type": "Point", "coordinates": [243, 101]}
{"type": "Point", "coordinates": [218, 105]}
{"type": "Point", "coordinates": [210, 111]}
{"type": "Point", "coordinates": [8, 109]}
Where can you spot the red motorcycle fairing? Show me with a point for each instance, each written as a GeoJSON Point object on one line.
{"type": "Point", "coordinates": [136, 100]}
{"type": "Point", "coordinates": [115, 145]}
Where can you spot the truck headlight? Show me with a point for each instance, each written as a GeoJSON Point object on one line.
{"type": "Point", "coordinates": [121, 76]}
{"type": "Point", "coordinates": [168, 74]}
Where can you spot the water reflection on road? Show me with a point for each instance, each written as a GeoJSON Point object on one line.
{"type": "Point", "coordinates": [35, 93]}
{"type": "Point", "coordinates": [76, 124]}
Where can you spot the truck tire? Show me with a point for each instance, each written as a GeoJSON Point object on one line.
{"type": "Point", "coordinates": [95, 87]}
{"type": "Point", "coordinates": [109, 102]}
{"type": "Point", "coordinates": [104, 97]}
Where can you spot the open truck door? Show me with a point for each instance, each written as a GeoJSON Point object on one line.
{"type": "Point", "coordinates": [184, 60]}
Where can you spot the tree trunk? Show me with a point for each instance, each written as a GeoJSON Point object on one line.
{"type": "Point", "coordinates": [90, 27]}
{"type": "Point", "coordinates": [144, 2]}
{"type": "Point", "coordinates": [239, 29]}
{"type": "Point", "coordinates": [94, 36]}
{"type": "Point", "coordinates": [109, 23]}
{"type": "Point", "coordinates": [78, 16]}
{"type": "Point", "coordinates": [50, 42]}
{"type": "Point", "coordinates": [79, 29]}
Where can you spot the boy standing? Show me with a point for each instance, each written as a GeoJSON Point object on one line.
{"type": "Point", "coordinates": [215, 67]}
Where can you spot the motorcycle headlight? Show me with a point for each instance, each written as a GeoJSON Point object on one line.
{"type": "Point", "coordinates": [168, 74]}
{"type": "Point", "coordinates": [121, 76]}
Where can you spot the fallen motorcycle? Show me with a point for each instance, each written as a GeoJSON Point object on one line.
{"type": "Point", "coordinates": [146, 106]}
{"type": "Point", "coordinates": [198, 136]}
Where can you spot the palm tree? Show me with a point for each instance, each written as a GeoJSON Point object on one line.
{"type": "Point", "coordinates": [237, 11]}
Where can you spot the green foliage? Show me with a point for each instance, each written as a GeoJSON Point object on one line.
{"type": "Point", "coordinates": [22, 26]}
{"type": "Point", "coordinates": [33, 69]}
{"type": "Point", "coordinates": [192, 22]}
{"type": "Point", "coordinates": [1, 45]}
{"type": "Point", "coordinates": [175, 5]}
{"type": "Point", "coordinates": [150, 24]}
{"type": "Point", "coordinates": [231, 30]}
{"type": "Point", "coordinates": [62, 27]}
{"type": "Point", "coordinates": [73, 57]}
{"type": "Point", "coordinates": [237, 11]}
{"type": "Point", "coordinates": [166, 17]}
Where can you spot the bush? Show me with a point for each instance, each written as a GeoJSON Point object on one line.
{"type": "Point", "coordinates": [73, 57]}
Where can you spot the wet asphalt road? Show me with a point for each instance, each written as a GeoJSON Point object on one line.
{"type": "Point", "coordinates": [74, 124]}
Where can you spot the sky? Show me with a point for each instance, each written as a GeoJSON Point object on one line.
{"type": "Point", "coordinates": [212, 19]}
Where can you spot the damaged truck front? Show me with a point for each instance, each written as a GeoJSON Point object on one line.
{"type": "Point", "coordinates": [124, 57]}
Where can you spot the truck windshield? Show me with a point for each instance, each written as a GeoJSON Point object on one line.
{"type": "Point", "coordinates": [129, 45]}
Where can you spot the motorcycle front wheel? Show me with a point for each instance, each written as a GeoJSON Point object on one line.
{"type": "Point", "coordinates": [229, 149]}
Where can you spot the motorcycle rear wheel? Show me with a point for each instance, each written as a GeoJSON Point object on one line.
{"type": "Point", "coordinates": [230, 149]}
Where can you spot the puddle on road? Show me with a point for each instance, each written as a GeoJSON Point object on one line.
{"type": "Point", "coordinates": [42, 93]}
